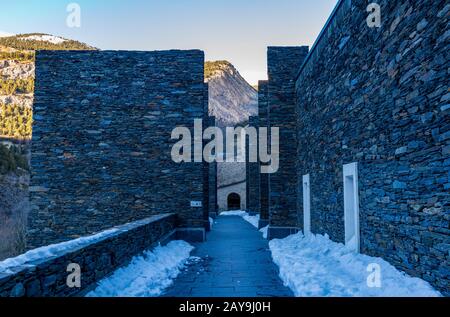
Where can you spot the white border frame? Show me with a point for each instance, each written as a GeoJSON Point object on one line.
{"type": "Point", "coordinates": [351, 208]}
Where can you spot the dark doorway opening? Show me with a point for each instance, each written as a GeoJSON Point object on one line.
{"type": "Point", "coordinates": [234, 201]}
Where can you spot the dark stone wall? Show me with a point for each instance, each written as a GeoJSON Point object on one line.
{"type": "Point", "coordinates": [283, 65]}
{"type": "Point", "coordinates": [380, 97]}
{"type": "Point", "coordinates": [212, 180]}
{"type": "Point", "coordinates": [253, 172]}
{"type": "Point", "coordinates": [264, 178]}
{"type": "Point", "coordinates": [247, 178]}
{"type": "Point", "coordinates": [47, 277]}
{"type": "Point", "coordinates": [206, 165]}
{"type": "Point", "coordinates": [101, 150]}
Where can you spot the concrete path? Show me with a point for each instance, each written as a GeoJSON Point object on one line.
{"type": "Point", "coordinates": [235, 261]}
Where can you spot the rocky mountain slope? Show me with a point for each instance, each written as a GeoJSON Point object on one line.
{"type": "Point", "coordinates": [231, 99]}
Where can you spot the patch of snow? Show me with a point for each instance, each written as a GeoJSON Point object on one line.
{"type": "Point", "coordinates": [316, 266]}
{"type": "Point", "coordinates": [253, 220]}
{"type": "Point", "coordinates": [52, 250]}
{"type": "Point", "coordinates": [147, 275]}
{"type": "Point", "coordinates": [264, 231]}
{"type": "Point", "coordinates": [44, 38]}
{"type": "Point", "coordinates": [239, 213]}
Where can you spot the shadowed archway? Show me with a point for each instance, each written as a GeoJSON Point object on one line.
{"type": "Point", "coordinates": [234, 201]}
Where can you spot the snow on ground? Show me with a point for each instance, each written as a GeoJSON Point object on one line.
{"type": "Point", "coordinates": [52, 250]}
{"type": "Point", "coordinates": [264, 231]}
{"type": "Point", "coordinates": [147, 275]}
{"type": "Point", "coordinates": [316, 266]}
{"type": "Point", "coordinates": [254, 220]}
{"type": "Point", "coordinates": [45, 38]}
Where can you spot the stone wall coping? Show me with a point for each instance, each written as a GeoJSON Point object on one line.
{"type": "Point", "coordinates": [175, 51]}
{"type": "Point", "coordinates": [83, 243]}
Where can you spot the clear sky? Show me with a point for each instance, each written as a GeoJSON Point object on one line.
{"type": "Point", "coordinates": [236, 30]}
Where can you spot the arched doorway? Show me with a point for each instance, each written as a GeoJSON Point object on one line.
{"type": "Point", "coordinates": [234, 201]}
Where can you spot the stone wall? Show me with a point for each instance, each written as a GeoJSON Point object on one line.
{"type": "Point", "coordinates": [263, 111]}
{"type": "Point", "coordinates": [101, 152]}
{"type": "Point", "coordinates": [380, 97]}
{"type": "Point", "coordinates": [212, 181]}
{"type": "Point", "coordinates": [47, 277]}
{"type": "Point", "coordinates": [283, 65]}
{"type": "Point", "coordinates": [206, 165]}
{"type": "Point", "coordinates": [253, 172]}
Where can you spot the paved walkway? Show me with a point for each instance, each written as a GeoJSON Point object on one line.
{"type": "Point", "coordinates": [235, 261]}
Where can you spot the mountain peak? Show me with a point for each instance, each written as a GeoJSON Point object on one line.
{"type": "Point", "coordinates": [231, 98]}
{"type": "Point", "coordinates": [218, 68]}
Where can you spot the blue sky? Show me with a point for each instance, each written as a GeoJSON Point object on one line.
{"type": "Point", "coordinates": [235, 30]}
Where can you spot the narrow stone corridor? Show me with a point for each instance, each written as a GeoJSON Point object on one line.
{"type": "Point", "coordinates": [235, 261]}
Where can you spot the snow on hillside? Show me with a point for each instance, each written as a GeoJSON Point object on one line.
{"type": "Point", "coordinates": [316, 266]}
{"type": "Point", "coordinates": [147, 275]}
{"type": "Point", "coordinates": [44, 38]}
{"type": "Point", "coordinates": [5, 34]}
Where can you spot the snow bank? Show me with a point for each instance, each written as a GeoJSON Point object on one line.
{"type": "Point", "coordinates": [148, 274]}
{"type": "Point", "coordinates": [254, 220]}
{"type": "Point", "coordinates": [52, 250]}
{"type": "Point", "coordinates": [239, 213]}
{"type": "Point", "coordinates": [316, 266]}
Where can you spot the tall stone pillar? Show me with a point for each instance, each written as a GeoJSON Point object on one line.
{"type": "Point", "coordinates": [253, 171]}
{"type": "Point", "coordinates": [206, 165]}
{"type": "Point", "coordinates": [212, 181]}
{"type": "Point", "coordinates": [283, 66]}
{"type": "Point", "coordinates": [263, 178]}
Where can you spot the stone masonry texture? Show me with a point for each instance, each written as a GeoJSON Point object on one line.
{"type": "Point", "coordinates": [283, 65]}
{"type": "Point", "coordinates": [101, 153]}
{"type": "Point", "coordinates": [380, 97]}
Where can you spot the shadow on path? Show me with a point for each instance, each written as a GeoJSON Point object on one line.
{"type": "Point", "coordinates": [235, 261]}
